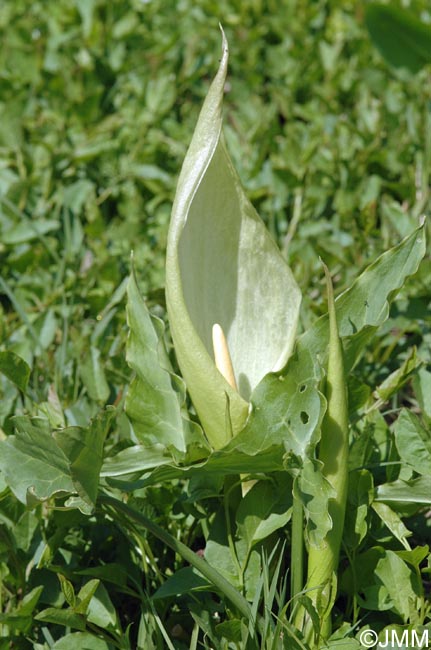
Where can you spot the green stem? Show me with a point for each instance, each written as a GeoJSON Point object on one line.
{"type": "Point", "coordinates": [186, 553]}
{"type": "Point", "coordinates": [297, 551]}
{"type": "Point", "coordinates": [333, 453]}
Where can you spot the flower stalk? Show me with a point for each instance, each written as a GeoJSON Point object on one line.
{"type": "Point", "coordinates": [333, 454]}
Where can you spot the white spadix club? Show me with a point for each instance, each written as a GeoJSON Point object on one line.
{"type": "Point", "coordinates": [222, 356]}
{"type": "Point", "coordinates": [222, 267]}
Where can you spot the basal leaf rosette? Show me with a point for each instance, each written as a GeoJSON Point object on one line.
{"type": "Point", "coordinates": [223, 267]}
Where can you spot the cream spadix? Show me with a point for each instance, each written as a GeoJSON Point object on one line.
{"type": "Point", "coordinates": [222, 357]}
{"type": "Point", "coordinates": [223, 267]}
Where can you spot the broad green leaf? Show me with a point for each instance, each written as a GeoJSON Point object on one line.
{"type": "Point", "coordinates": [315, 491]}
{"type": "Point", "coordinates": [38, 464]}
{"type": "Point", "coordinates": [234, 631]}
{"type": "Point", "coordinates": [80, 641]}
{"type": "Point", "coordinates": [93, 376]}
{"type": "Point", "coordinates": [365, 305]}
{"type": "Point", "coordinates": [223, 267]}
{"type": "Point", "coordinates": [402, 38]}
{"type": "Point", "coordinates": [135, 460]}
{"type": "Point", "coordinates": [359, 497]}
{"type": "Point", "coordinates": [234, 559]}
{"type": "Point", "coordinates": [15, 369]}
{"type": "Point", "coordinates": [34, 465]}
{"type": "Point", "coordinates": [398, 378]}
{"type": "Point", "coordinates": [29, 601]}
{"type": "Point", "coordinates": [22, 617]}
{"type": "Point", "coordinates": [264, 509]}
{"type": "Point", "coordinates": [393, 522]}
{"type": "Point", "coordinates": [374, 597]}
{"type": "Point", "coordinates": [153, 401]}
{"type": "Point", "coordinates": [416, 492]}
{"type": "Point", "coordinates": [24, 529]}
{"type": "Point", "coordinates": [401, 583]}
{"type": "Point", "coordinates": [101, 610]}
{"type": "Point", "coordinates": [413, 442]}
{"type": "Point", "coordinates": [182, 582]}
{"type": "Point", "coordinates": [422, 387]}
{"type": "Point", "coordinates": [84, 450]}
{"type": "Point", "coordinates": [16, 622]}
{"type": "Point", "coordinates": [85, 594]}
{"type": "Point", "coordinates": [66, 617]}
{"type": "Point", "coordinates": [53, 410]}
{"type": "Point", "coordinates": [359, 580]}
{"type": "Point", "coordinates": [46, 328]}
{"type": "Point", "coordinates": [287, 410]}
{"type": "Point", "coordinates": [415, 556]}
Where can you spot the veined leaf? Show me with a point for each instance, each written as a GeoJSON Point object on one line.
{"type": "Point", "coordinates": [153, 402]}
{"type": "Point", "coordinates": [314, 490]}
{"type": "Point", "coordinates": [287, 410]}
{"type": "Point", "coordinates": [38, 464]}
{"type": "Point", "coordinates": [182, 582]}
{"type": "Point", "coordinates": [137, 460]}
{"type": "Point", "coordinates": [398, 378]}
{"type": "Point", "coordinates": [266, 507]}
{"type": "Point", "coordinates": [84, 450]}
{"type": "Point", "coordinates": [401, 583]}
{"type": "Point", "coordinates": [402, 492]}
{"type": "Point", "coordinates": [80, 639]}
{"type": "Point", "coordinates": [413, 442]}
{"type": "Point", "coordinates": [365, 305]}
{"type": "Point", "coordinates": [66, 617]}
{"type": "Point", "coordinates": [223, 267]}
{"type": "Point", "coordinates": [33, 464]}
{"type": "Point", "coordinates": [393, 522]}
{"type": "Point", "coordinates": [287, 406]}
{"type": "Point", "coordinates": [15, 369]}
{"type": "Point", "coordinates": [93, 376]}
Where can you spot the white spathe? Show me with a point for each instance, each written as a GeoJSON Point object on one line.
{"type": "Point", "coordinates": [223, 267]}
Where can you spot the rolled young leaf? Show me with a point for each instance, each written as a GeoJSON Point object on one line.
{"type": "Point", "coordinates": [333, 454]}
{"type": "Point", "coordinates": [223, 267]}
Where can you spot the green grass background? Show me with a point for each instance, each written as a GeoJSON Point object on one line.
{"type": "Point", "coordinates": [98, 102]}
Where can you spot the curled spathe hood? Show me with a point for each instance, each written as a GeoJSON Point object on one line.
{"type": "Point", "coordinates": [223, 267]}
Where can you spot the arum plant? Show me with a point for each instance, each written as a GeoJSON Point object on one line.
{"type": "Point", "coordinates": [223, 269]}
{"type": "Point", "coordinates": [233, 307]}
